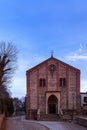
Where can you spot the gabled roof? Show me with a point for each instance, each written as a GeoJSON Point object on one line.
{"type": "Point", "coordinates": [53, 58]}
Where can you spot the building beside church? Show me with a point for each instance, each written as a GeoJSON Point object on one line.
{"type": "Point", "coordinates": [52, 86]}
{"type": "Point", "coordinates": [84, 101]}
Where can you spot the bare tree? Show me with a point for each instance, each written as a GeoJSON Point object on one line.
{"type": "Point", "coordinates": [8, 60]}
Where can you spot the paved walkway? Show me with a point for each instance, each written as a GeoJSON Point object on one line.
{"type": "Point", "coordinates": [62, 126]}
{"type": "Point", "coordinates": [22, 124]}
{"type": "Point", "coordinates": [11, 124]}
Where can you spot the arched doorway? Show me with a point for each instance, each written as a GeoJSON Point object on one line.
{"type": "Point", "coordinates": [52, 104]}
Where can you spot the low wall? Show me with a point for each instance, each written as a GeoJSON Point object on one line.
{"type": "Point", "coordinates": [82, 121]}
{"type": "Point", "coordinates": [1, 119]}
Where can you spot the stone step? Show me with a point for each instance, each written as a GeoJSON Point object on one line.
{"type": "Point", "coordinates": [50, 117]}
{"type": "Point", "coordinates": [67, 117]}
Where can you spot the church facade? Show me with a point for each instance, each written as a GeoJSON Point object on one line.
{"type": "Point", "coordinates": [52, 86]}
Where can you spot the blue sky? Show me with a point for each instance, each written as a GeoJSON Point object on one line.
{"type": "Point", "coordinates": [36, 27]}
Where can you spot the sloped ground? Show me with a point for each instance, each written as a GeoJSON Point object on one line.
{"type": "Point", "coordinates": [22, 124]}
{"type": "Point", "coordinates": [11, 124]}
{"type": "Point", "coordinates": [62, 125]}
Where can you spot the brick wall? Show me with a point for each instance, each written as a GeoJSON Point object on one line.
{"type": "Point", "coordinates": [1, 119]}
{"type": "Point", "coordinates": [37, 94]}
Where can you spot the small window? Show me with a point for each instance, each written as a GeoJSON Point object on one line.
{"type": "Point", "coordinates": [85, 99]}
{"type": "Point", "coordinates": [62, 82]}
{"type": "Point", "coordinates": [84, 105]}
{"type": "Point", "coordinates": [42, 82]}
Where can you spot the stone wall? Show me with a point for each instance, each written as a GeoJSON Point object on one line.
{"type": "Point", "coordinates": [33, 90]}
{"type": "Point", "coordinates": [1, 119]}
{"type": "Point", "coordinates": [82, 121]}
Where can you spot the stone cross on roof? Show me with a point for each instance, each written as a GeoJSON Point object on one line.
{"type": "Point", "coordinates": [52, 53]}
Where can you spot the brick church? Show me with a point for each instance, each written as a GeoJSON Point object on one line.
{"type": "Point", "coordinates": [52, 86]}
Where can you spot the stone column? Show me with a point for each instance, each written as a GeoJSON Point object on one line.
{"type": "Point", "coordinates": [58, 106]}
{"type": "Point", "coordinates": [46, 108]}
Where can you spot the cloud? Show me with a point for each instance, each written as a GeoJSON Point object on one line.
{"type": "Point", "coordinates": [79, 54]}
{"type": "Point", "coordinates": [79, 57]}
{"type": "Point", "coordinates": [18, 88]}
{"type": "Point", "coordinates": [80, 48]}
{"type": "Point", "coordinates": [83, 85]}
{"type": "Point", "coordinates": [75, 57]}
